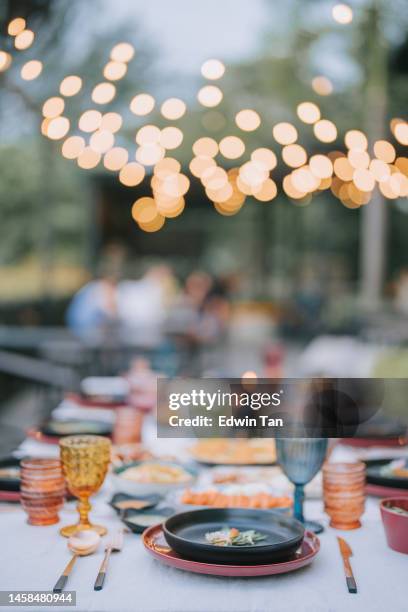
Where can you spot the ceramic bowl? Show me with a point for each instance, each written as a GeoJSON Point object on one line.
{"type": "Point", "coordinates": [395, 524]}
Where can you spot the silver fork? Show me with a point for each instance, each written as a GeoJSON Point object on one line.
{"type": "Point", "coordinates": [113, 544]}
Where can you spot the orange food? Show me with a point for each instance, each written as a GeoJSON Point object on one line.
{"type": "Point", "coordinates": [216, 499]}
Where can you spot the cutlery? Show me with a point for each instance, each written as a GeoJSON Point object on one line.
{"type": "Point", "coordinates": [346, 553]}
{"type": "Point", "coordinates": [113, 544]}
{"type": "Point", "coordinates": [81, 544]}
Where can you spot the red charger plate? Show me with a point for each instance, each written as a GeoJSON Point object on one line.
{"type": "Point", "coordinates": [370, 442]}
{"type": "Point", "coordinates": [379, 491]}
{"type": "Point", "coordinates": [9, 496]}
{"type": "Point", "coordinates": [156, 545]}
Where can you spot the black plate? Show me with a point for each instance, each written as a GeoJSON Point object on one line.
{"type": "Point", "coordinates": [136, 519]}
{"type": "Point", "coordinates": [9, 483]}
{"type": "Point", "coordinates": [151, 500]}
{"type": "Point", "coordinates": [185, 533]}
{"type": "Point", "coordinates": [375, 477]}
{"type": "Point", "coordinates": [75, 427]}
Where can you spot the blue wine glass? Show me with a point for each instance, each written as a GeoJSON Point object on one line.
{"type": "Point", "coordinates": [301, 459]}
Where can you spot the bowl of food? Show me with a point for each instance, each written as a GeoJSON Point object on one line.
{"type": "Point", "coordinates": [148, 477]}
{"type": "Point", "coordinates": [394, 514]}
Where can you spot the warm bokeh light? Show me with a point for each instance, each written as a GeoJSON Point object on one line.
{"type": "Point", "coordinates": [210, 96]}
{"type": "Point", "coordinates": [358, 159]}
{"type": "Point", "coordinates": [115, 159]}
{"type": "Point", "coordinates": [232, 147]}
{"type": "Point", "coordinates": [252, 174]}
{"type": "Point", "coordinates": [166, 166]}
{"type": "Point", "coordinates": [53, 107]}
{"type": "Point", "coordinates": [173, 109]}
{"type": "Point", "coordinates": [175, 185]}
{"type": "Point", "coordinates": [265, 157]}
{"type": "Point", "coordinates": [122, 52]}
{"type": "Point", "coordinates": [31, 70]}
{"type": "Point", "coordinates": [342, 13]}
{"type": "Point", "coordinates": [294, 155]}
{"type": "Point", "coordinates": [308, 112]}
{"type": "Point", "coordinates": [144, 210]}
{"type": "Point", "coordinates": [364, 179]}
{"type": "Point", "coordinates": [170, 207]}
{"type": "Point", "coordinates": [212, 69]}
{"type": "Point", "coordinates": [103, 93]}
{"type": "Point", "coordinates": [267, 192]}
{"type": "Point", "coordinates": [171, 137]}
{"type": "Point", "coordinates": [142, 104]}
{"type": "Point", "coordinates": [385, 151]}
{"type": "Point", "coordinates": [132, 174]}
{"type": "Point", "coordinates": [322, 86]}
{"type": "Point", "coordinates": [248, 120]}
{"type": "Point", "coordinates": [380, 170]}
{"type": "Point", "coordinates": [355, 139]}
{"type": "Point", "coordinates": [304, 180]}
{"type": "Point", "coordinates": [343, 169]}
{"type": "Point", "coordinates": [321, 166]}
{"type": "Point", "coordinates": [284, 133]}
{"type": "Point", "coordinates": [58, 128]}
{"type": "Point", "coordinates": [101, 141]}
{"type": "Point", "coordinates": [148, 134]}
{"type": "Point", "coordinates": [223, 194]}
{"type": "Point", "coordinates": [153, 226]}
{"type": "Point", "coordinates": [24, 40]}
{"type": "Point", "coordinates": [401, 132]}
{"type": "Point", "coordinates": [214, 178]}
{"type": "Point", "coordinates": [199, 164]}
{"type": "Point", "coordinates": [73, 147]}
{"type": "Point", "coordinates": [16, 26]}
{"type": "Point", "coordinates": [90, 121]}
{"type": "Point", "coordinates": [70, 86]}
{"type": "Point", "coordinates": [111, 122]}
{"type": "Point", "coordinates": [114, 71]}
{"type": "Point", "coordinates": [207, 147]}
{"type": "Point", "coordinates": [290, 189]}
{"type": "Point", "coordinates": [5, 61]}
{"type": "Point", "coordinates": [88, 159]}
{"type": "Point", "coordinates": [325, 130]}
{"type": "Point", "coordinates": [150, 154]}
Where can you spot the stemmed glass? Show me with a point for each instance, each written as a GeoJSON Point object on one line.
{"type": "Point", "coordinates": [301, 459]}
{"type": "Point", "coordinates": [85, 461]}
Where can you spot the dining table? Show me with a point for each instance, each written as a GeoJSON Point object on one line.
{"type": "Point", "coordinates": [32, 558]}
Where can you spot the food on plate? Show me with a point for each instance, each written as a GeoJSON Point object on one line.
{"type": "Point", "coordinates": [398, 468]}
{"type": "Point", "coordinates": [235, 452]}
{"type": "Point", "coordinates": [146, 520]}
{"type": "Point", "coordinates": [134, 504]}
{"type": "Point", "coordinates": [234, 537]}
{"type": "Point", "coordinates": [160, 473]}
{"type": "Point", "coordinates": [125, 453]}
{"type": "Point", "coordinates": [219, 499]}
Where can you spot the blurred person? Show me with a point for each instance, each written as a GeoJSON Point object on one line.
{"type": "Point", "coordinates": [142, 305]}
{"type": "Point", "coordinates": [93, 309]}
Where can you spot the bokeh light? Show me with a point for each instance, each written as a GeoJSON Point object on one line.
{"type": "Point", "coordinates": [53, 107]}
{"type": "Point", "coordinates": [294, 155]}
{"type": "Point", "coordinates": [205, 146]}
{"type": "Point", "coordinates": [267, 192]}
{"type": "Point", "coordinates": [265, 157]}
{"type": "Point", "coordinates": [88, 159]}
{"type": "Point", "coordinates": [248, 120]}
{"type": "Point", "coordinates": [70, 86]}
{"type": "Point", "coordinates": [166, 166]}
{"type": "Point", "coordinates": [31, 70]}
{"type": "Point", "coordinates": [73, 147]}
{"type": "Point", "coordinates": [284, 133]}
{"type": "Point", "coordinates": [232, 147]}
{"type": "Point", "coordinates": [122, 52]}
{"type": "Point", "coordinates": [103, 93]}
{"type": "Point", "coordinates": [325, 130]}
{"type": "Point", "coordinates": [24, 40]}
{"type": "Point", "coordinates": [58, 128]}
{"type": "Point", "coordinates": [380, 170]}
{"type": "Point", "coordinates": [132, 174]}
{"type": "Point", "coordinates": [142, 104]}
{"type": "Point", "coordinates": [173, 109]}
{"type": "Point", "coordinates": [322, 86]}
{"type": "Point", "coordinates": [148, 134]}
{"type": "Point", "coordinates": [385, 151]}
{"type": "Point", "coordinates": [115, 158]}
{"type": "Point", "coordinates": [358, 159]}
{"type": "Point", "coordinates": [321, 166]}
{"type": "Point", "coordinates": [171, 137]}
{"type": "Point", "coordinates": [308, 112]}
{"type": "Point", "coordinates": [114, 71]}
{"type": "Point", "coordinates": [111, 122]}
{"type": "Point", "coordinates": [364, 179]}
{"type": "Point", "coordinates": [5, 61]}
{"type": "Point", "coordinates": [210, 96]}
{"type": "Point", "coordinates": [342, 13]}
{"type": "Point", "coordinates": [212, 69]}
{"type": "Point", "coordinates": [150, 154]}
{"type": "Point", "coordinates": [355, 139]}
{"type": "Point", "coordinates": [401, 132]}
{"type": "Point", "coordinates": [102, 141]}
{"type": "Point", "coordinates": [16, 26]}
{"type": "Point", "coordinates": [199, 164]}
{"type": "Point", "coordinates": [90, 121]}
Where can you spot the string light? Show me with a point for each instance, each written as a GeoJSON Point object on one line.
{"type": "Point", "coordinates": [31, 70]}
{"type": "Point", "coordinates": [53, 107]}
{"type": "Point", "coordinates": [103, 93]}
{"type": "Point", "coordinates": [342, 13]}
{"type": "Point", "coordinates": [16, 26]}
{"type": "Point", "coordinates": [308, 112]}
{"type": "Point", "coordinates": [58, 128]}
{"type": "Point", "coordinates": [24, 40]}
{"type": "Point", "coordinates": [122, 52]}
{"type": "Point", "coordinates": [70, 86]}
{"type": "Point", "coordinates": [232, 147]}
{"type": "Point", "coordinates": [142, 104]}
{"type": "Point", "coordinates": [5, 61]}
{"type": "Point", "coordinates": [173, 109]}
{"type": "Point", "coordinates": [114, 71]}
{"type": "Point", "coordinates": [209, 95]}
{"type": "Point", "coordinates": [73, 147]}
{"type": "Point", "coordinates": [212, 69]}
{"type": "Point", "coordinates": [248, 120]}
{"type": "Point", "coordinates": [284, 133]}
{"type": "Point", "coordinates": [322, 86]}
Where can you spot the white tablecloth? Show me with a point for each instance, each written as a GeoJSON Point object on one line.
{"type": "Point", "coordinates": [34, 557]}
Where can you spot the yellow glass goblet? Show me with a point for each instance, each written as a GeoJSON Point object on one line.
{"type": "Point", "coordinates": [85, 461]}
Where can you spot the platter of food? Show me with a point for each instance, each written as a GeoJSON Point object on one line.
{"type": "Point", "coordinates": [152, 476]}
{"type": "Point", "coordinates": [225, 451]}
